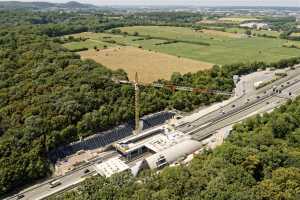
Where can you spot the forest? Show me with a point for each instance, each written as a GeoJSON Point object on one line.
{"type": "Point", "coordinates": [50, 97]}
{"type": "Point", "coordinates": [259, 161]}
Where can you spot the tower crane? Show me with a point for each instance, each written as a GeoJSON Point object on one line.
{"type": "Point", "coordinates": [172, 87]}
{"type": "Point", "coordinates": [137, 104]}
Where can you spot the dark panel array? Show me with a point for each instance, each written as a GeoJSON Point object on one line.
{"type": "Point", "coordinates": [156, 119]}
{"type": "Point", "coordinates": [94, 142]}
{"type": "Point", "coordinates": [108, 137]}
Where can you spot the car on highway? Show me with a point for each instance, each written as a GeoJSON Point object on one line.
{"type": "Point", "coordinates": [233, 106]}
{"type": "Point", "coordinates": [86, 171]}
{"type": "Point", "coordinates": [178, 117]}
{"type": "Point", "coordinates": [20, 196]}
{"type": "Point", "coordinates": [54, 184]}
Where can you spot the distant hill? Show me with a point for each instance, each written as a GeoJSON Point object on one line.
{"type": "Point", "coordinates": [72, 5]}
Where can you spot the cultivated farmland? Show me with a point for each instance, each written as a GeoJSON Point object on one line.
{"type": "Point", "coordinates": [205, 46]}
{"type": "Point", "coordinates": [238, 19]}
{"type": "Point", "coordinates": [295, 34]}
{"type": "Point", "coordinates": [90, 43]}
{"type": "Point", "coordinates": [221, 33]}
{"type": "Point", "coordinates": [150, 66]}
{"type": "Point", "coordinates": [222, 49]}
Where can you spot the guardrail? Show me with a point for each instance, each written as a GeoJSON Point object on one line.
{"type": "Point", "coordinates": [88, 164]}
{"type": "Point", "coordinates": [229, 114]}
{"type": "Point", "coordinates": [245, 107]}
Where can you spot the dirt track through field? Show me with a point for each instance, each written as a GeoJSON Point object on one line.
{"type": "Point", "coordinates": [150, 65]}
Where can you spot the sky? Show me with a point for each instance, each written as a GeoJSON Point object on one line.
{"type": "Point", "coordinates": [292, 3]}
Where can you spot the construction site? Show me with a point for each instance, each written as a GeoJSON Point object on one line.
{"type": "Point", "coordinates": [152, 149]}
{"type": "Point", "coordinates": [150, 142]}
{"type": "Point", "coordinates": [166, 138]}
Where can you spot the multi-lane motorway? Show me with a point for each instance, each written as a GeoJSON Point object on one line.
{"type": "Point", "coordinates": [249, 102]}
{"type": "Point", "coordinates": [43, 190]}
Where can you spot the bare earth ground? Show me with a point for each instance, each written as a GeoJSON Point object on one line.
{"type": "Point", "coordinates": [69, 163]}
{"type": "Point", "coordinates": [150, 65]}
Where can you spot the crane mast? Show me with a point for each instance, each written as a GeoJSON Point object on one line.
{"type": "Point", "coordinates": [172, 87]}
{"type": "Point", "coordinates": [137, 105]}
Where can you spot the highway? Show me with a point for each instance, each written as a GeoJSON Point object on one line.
{"type": "Point", "coordinates": [248, 103]}
{"type": "Point", "coordinates": [71, 179]}
{"type": "Point", "coordinates": [248, 99]}
{"type": "Point", "coordinates": [201, 131]}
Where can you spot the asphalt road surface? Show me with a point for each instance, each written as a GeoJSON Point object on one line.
{"type": "Point", "coordinates": [200, 132]}
{"type": "Point", "coordinates": [249, 98]}
{"type": "Point", "coordinates": [73, 178]}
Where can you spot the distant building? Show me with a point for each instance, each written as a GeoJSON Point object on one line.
{"type": "Point", "coordinates": [255, 25]}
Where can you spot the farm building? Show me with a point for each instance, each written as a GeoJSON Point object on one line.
{"type": "Point", "coordinates": [255, 25]}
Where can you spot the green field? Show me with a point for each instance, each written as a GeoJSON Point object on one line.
{"type": "Point", "coordinates": [239, 19]}
{"type": "Point", "coordinates": [90, 43]}
{"type": "Point", "coordinates": [295, 34]}
{"type": "Point", "coordinates": [222, 49]}
{"type": "Point", "coordinates": [261, 32]}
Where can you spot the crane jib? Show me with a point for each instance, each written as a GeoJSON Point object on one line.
{"type": "Point", "coordinates": [178, 88]}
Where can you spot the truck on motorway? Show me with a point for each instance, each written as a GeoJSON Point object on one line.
{"type": "Point", "coordinates": [54, 184]}
{"type": "Point", "coordinates": [258, 84]}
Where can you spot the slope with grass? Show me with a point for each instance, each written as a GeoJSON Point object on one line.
{"type": "Point", "coordinates": [89, 44]}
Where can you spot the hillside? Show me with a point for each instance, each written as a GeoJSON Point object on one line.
{"type": "Point", "coordinates": [17, 5]}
